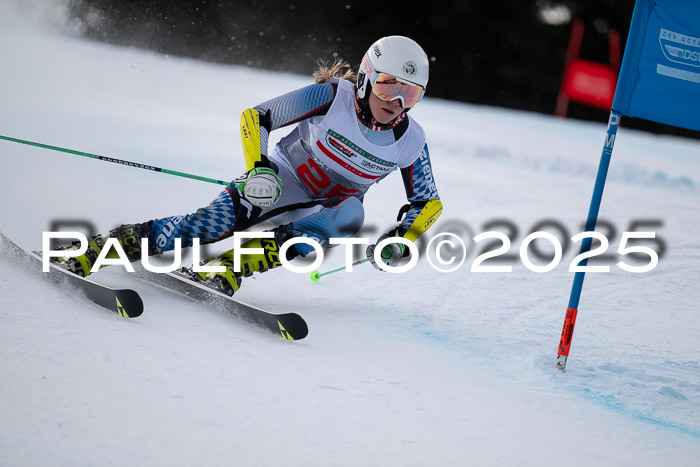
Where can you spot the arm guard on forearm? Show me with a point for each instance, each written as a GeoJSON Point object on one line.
{"type": "Point", "coordinates": [250, 135]}
{"type": "Point", "coordinates": [285, 110]}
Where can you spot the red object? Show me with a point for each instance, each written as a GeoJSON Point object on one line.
{"type": "Point", "coordinates": [586, 82]}
{"type": "Point", "coordinates": [567, 333]}
{"type": "Point", "coordinates": [590, 83]}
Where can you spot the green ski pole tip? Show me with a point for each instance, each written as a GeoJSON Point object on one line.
{"type": "Point", "coordinates": [315, 276]}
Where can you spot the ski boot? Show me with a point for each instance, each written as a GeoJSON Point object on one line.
{"type": "Point", "coordinates": [129, 237]}
{"type": "Point", "coordinates": [82, 265]}
{"type": "Point", "coordinates": [229, 281]}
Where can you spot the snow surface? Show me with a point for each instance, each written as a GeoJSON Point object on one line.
{"type": "Point", "coordinates": [421, 368]}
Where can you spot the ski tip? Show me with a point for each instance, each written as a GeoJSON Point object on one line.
{"type": "Point", "coordinates": [292, 327]}
{"type": "Point", "coordinates": [315, 276]}
{"type": "Point", "coordinates": [3, 238]}
{"type": "Point", "coordinates": [130, 305]}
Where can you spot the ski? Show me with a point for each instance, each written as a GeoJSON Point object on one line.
{"type": "Point", "coordinates": [125, 302]}
{"type": "Point", "coordinates": [290, 326]}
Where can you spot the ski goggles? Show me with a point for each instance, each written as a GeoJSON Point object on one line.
{"type": "Point", "coordinates": [388, 88]}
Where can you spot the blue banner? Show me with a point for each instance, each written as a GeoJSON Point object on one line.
{"type": "Point", "coordinates": [660, 75]}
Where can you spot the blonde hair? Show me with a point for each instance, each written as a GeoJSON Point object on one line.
{"type": "Point", "coordinates": [340, 68]}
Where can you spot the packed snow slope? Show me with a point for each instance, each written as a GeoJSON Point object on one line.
{"type": "Point", "coordinates": [420, 368]}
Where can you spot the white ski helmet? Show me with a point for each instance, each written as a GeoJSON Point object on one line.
{"type": "Point", "coordinates": [394, 55]}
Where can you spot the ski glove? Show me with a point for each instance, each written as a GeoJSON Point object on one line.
{"type": "Point", "coordinates": [263, 187]}
{"type": "Point", "coordinates": [391, 254]}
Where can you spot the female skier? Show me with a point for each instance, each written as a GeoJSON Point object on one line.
{"type": "Point", "coordinates": [351, 132]}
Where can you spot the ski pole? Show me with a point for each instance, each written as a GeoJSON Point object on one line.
{"type": "Point", "coordinates": [316, 276]}
{"type": "Point", "coordinates": [119, 161]}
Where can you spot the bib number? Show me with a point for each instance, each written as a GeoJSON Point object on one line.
{"type": "Point", "coordinates": [318, 181]}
